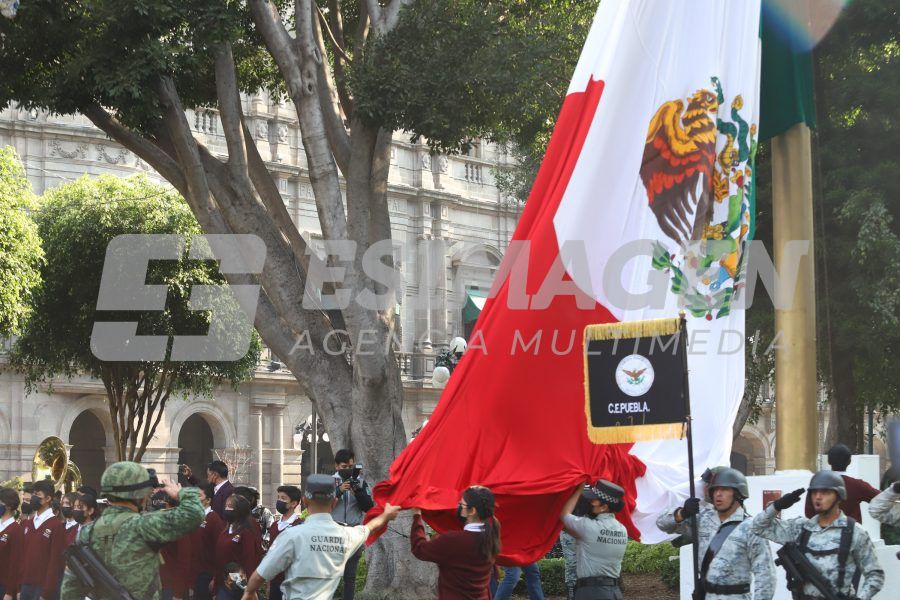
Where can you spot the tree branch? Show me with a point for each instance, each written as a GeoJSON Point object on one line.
{"type": "Point", "coordinates": [333, 92]}
{"type": "Point", "coordinates": [301, 80]}
{"type": "Point", "coordinates": [164, 164]}
{"type": "Point", "coordinates": [332, 36]}
{"type": "Point", "coordinates": [392, 13]}
{"type": "Point", "coordinates": [230, 112]}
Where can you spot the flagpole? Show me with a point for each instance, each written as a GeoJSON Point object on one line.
{"type": "Point", "coordinates": [686, 394]}
{"type": "Point", "coordinates": [796, 417]}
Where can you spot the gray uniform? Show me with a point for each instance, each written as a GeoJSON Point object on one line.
{"type": "Point", "coordinates": [885, 507]}
{"type": "Point", "coordinates": [742, 556]}
{"type": "Point", "coordinates": [567, 543]}
{"type": "Point", "coordinates": [599, 548]}
{"type": "Point", "coordinates": [862, 553]}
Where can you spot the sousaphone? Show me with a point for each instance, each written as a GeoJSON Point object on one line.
{"type": "Point", "coordinates": [51, 461]}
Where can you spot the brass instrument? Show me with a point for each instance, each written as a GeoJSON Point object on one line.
{"type": "Point", "coordinates": [51, 461]}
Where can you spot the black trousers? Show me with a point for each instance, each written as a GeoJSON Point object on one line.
{"type": "Point", "coordinates": [350, 575]}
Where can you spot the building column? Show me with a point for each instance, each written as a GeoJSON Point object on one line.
{"type": "Point", "coordinates": [256, 436]}
{"type": "Point", "coordinates": [796, 425]}
{"type": "Point", "coordinates": [278, 448]}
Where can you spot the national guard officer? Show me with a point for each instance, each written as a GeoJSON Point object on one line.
{"type": "Point", "coordinates": [127, 539]}
{"type": "Point", "coordinates": [831, 541]}
{"type": "Point", "coordinates": [600, 541]}
{"type": "Point", "coordinates": [885, 507]}
{"type": "Point", "coordinates": [729, 551]}
{"type": "Point", "coordinates": [312, 555]}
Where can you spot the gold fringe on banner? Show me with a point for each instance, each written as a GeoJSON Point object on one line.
{"type": "Point", "coordinates": [627, 434]}
{"type": "Point", "coordinates": [632, 329]}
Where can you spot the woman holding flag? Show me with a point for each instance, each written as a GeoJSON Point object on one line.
{"type": "Point", "coordinates": [465, 559]}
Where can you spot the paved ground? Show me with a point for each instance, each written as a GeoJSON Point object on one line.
{"type": "Point", "coordinates": [640, 587]}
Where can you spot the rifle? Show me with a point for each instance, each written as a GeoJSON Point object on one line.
{"type": "Point", "coordinates": [93, 574]}
{"type": "Point", "coordinates": [800, 571]}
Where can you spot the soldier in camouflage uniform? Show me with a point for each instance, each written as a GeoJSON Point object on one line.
{"type": "Point", "coordinates": [567, 543]}
{"type": "Point", "coordinates": [885, 507]}
{"type": "Point", "coordinates": [730, 552]}
{"type": "Point", "coordinates": [128, 540]}
{"type": "Point", "coordinates": [820, 538]}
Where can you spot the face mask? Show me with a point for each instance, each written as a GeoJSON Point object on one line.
{"type": "Point", "coordinates": [78, 515]}
{"type": "Point", "coordinates": [282, 507]}
{"type": "Point", "coordinates": [36, 503]}
{"type": "Point", "coordinates": [228, 515]}
{"type": "Point", "coordinates": [459, 514]}
{"type": "Point", "coordinates": [66, 511]}
{"type": "Point", "coordinates": [2, 509]}
{"type": "Point", "coordinates": [26, 509]}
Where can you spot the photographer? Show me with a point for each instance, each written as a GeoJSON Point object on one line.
{"type": "Point", "coordinates": [354, 500]}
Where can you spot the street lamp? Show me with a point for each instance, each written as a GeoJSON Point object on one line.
{"type": "Point", "coordinates": [446, 361]}
{"type": "Point", "coordinates": [9, 8]}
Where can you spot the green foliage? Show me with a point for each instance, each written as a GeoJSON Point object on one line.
{"type": "Point", "coordinates": [455, 71]}
{"type": "Point", "coordinates": [76, 223]}
{"type": "Point", "coordinates": [20, 246]}
{"type": "Point", "coordinates": [858, 87]}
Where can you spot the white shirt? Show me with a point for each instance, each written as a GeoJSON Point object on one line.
{"type": "Point", "coordinates": [312, 557]}
{"type": "Point", "coordinates": [476, 527]}
{"type": "Point", "coordinates": [284, 523]}
{"type": "Point", "coordinates": [207, 510]}
{"type": "Point", "coordinates": [6, 523]}
{"type": "Point", "coordinates": [70, 523]}
{"type": "Point", "coordinates": [38, 519]}
{"type": "Point", "coordinates": [218, 487]}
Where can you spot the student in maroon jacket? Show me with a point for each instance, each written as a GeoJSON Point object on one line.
{"type": "Point", "coordinates": [203, 546]}
{"type": "Point", "coordinates": [174, 572]}
{"type": "Point", "coordinates": [465, 559]}
{"type": "Point", "coordinates": [10, 544]}
{"type": "Point", "coordinates": [287, 504]}
{"type": "Point", "coordinates": [67, 514]}
{"type": "Point", "coordinates": [238, 543]}
{"type": "Point", "coordinates": [42, 565]}
{"type": "Point", "coordinates": [839, 457]}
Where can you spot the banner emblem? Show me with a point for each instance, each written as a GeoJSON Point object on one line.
{"type": "Point", "coordinates": [634, 375]}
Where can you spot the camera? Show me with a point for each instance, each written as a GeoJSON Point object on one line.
{"type": "Point", "coordinates": [351, 474]}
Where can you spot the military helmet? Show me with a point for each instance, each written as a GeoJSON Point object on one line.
{"type": "Point", "coordinates": [708, 475]}
{"type": "Point", "coordinates": [731, 478]}
{"type": "Point", "coordinates": [127, 480]}
{"type": "Point", "coordinates": [829, 480]}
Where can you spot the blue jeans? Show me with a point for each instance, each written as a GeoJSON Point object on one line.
{"type": "Point", "coordinates": [511, 578]}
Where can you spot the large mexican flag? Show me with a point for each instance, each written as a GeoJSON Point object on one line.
{"type": "Point", "coordinates": [642, 208]}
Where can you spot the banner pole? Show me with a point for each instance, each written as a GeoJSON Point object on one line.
{"type": "Point", "coordinates": [686, 394]}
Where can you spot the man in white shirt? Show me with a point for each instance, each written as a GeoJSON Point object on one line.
{"type": "Point", "coordinates": [312, 555]}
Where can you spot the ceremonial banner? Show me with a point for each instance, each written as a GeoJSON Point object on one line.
{"type": "Point", "coordinates": [641, 209]}
{"type": "Point", "coordinates": [635, 381]}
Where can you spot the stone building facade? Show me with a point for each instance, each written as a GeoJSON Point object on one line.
{"type": "Point", "coordinates": [450, 227]}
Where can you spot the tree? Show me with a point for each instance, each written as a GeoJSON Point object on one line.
{"type": "Point", "coordinates": [20, 246]}
{"type": "Point", "coordinates": [858, 105]}
{"type": "Point", "coordinates": [446, 71]}
{"type": "Point", "coordinates": [79, 219]}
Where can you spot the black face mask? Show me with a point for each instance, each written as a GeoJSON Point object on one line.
{"type": "Point", "coordinates": [66, 511]}
{"type": "Point", "coordinates": [36, 503]}
{"type": "Point", "coordinates": [459, 514]}
{"type": "Point", "coordinates": [26, 509]}
{"type": "Point", "coordinates": [228, 515]}
{"type": "Point", "coordinates": [282, 507]}
{"type": "Point", "coordinates": [2, 509]}
{"type": "Point", "coordinates": [79, 516]}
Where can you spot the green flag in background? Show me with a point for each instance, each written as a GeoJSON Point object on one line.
{"type": "Point", "coordinates": [786, 89]}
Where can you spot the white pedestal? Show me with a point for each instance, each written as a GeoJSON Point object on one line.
{"type": "Point", "coordinates": [864, 467]}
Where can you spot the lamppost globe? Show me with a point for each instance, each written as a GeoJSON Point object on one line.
{"type": "Point", "coordinates": [439, 377]}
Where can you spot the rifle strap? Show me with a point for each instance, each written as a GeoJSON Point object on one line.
{"type": "Point", "coordinates": [843, 550]}
{"type": "Point", "coordinates": [715, 544]}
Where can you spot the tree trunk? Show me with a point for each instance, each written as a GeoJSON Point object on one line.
{"type": "Point", "coordinates": [848, 414]}
{"type": "Point", "coordinates": [393, 571]}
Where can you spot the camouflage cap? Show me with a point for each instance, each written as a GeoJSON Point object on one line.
{"type": "Point", "coordinates": [127, 480]}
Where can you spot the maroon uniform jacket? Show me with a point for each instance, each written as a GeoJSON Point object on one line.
{"type": "Point", "coordinates": [243, 547]}
{"type": "Point", "coordinates": [461, 574]}
{"type": "Point", "coordinates": [11, 543]}
{"type": "Point", "coordinates": [273, 533]}
{"type": "Point", "coordinates": [42, 560]}
{"type": "Point", "coordinates": [857, 491]}
{"type": "Point", "coordinates": [203, 545]}
{"type": "Point", "coordinates": [175, 572]}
